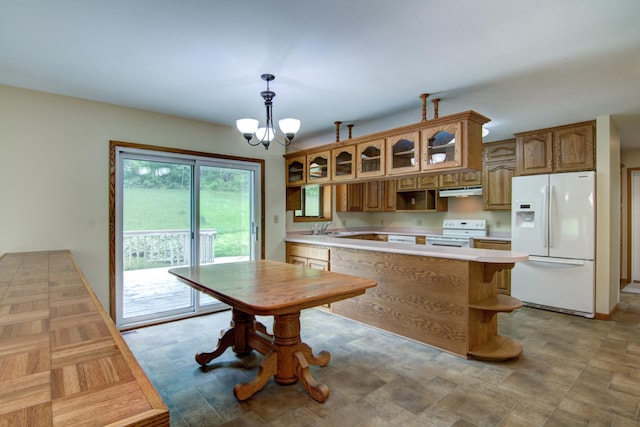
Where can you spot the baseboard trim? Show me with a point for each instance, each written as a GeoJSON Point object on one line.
{"type": "Point", "coordinates": [603, 316]}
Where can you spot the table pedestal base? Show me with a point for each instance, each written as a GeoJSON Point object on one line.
{"type": "Point", "coordinates": [286, 357]}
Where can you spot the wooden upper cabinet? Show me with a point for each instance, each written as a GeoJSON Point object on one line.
{"type": "Point", "coordinates": [318, 167]}
{"type": "Point", "coordinates": [450, 144]}
{"type": "Point", "coordinates": [389, 197]}
{"type": "Point", "coordinates": [448, 180]}
{"type": "Point", "coordinates": [343, 163]}
{"type": "Point", "coordinates": [409, 183]}
{"type": "Point", "coordinates": [422, 182]}
{"type": "Point", "coordinates": [499, 152]}
{"type": "Point", "coordinates": [560, 149]}
{"type": "Point", "coordinates": [403, 153]}
{"type": "Point", "coordinates": [349, 197]}
{"type": "Point", "coordinates": [442, 146]}
{"type": "Point", "coordinates": [574, 148]}
{"type": "Point", "coordinates": [370, 158]}
{"type": "Point", "coordinates": [498, 169]}
{"type": "Point", "coordinates": [461, 179]}
{"type": "Point", "coordinates": [373, 196]}
{"type": "Point", "coordinates": [467, 179]}
{"type": "Point", "coordinates": [496, 187]}
{"type": "Point", "coordinates": [427, 182]}
{"type": "Point", "coordinates": [294, 198]}
{"type": "Point", "coordinates": [534, 153]}
{"type": "Point", "coordinates": [296, 175]}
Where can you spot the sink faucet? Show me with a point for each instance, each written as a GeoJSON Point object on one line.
{"type": "Point", "coordinates": [325, 226]}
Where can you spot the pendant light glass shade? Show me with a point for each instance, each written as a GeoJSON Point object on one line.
{"type": "Point", "coordinates": [289, 126]}
{"type": "Point", "coordinates": [263, 135]}
{"type": "Point", "coordinates": [247, 126]}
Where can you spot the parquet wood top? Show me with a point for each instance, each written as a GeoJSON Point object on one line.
{"type": "Point", "coordinates": [62, 361]}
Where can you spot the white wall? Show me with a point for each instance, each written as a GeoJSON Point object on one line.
{"type": "Point", "coordinates": [607, 215]}
{"type": "Point", "coordinates": [54, 170]}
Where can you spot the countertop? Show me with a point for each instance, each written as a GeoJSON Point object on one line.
{"type": "Point", "coordinates": [465, 254]}
{"type": "Point", "coordinates": [498, 235]}
{"type": "Point", "coordinates": [63, 360]}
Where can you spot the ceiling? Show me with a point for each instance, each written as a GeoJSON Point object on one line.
{"type": "Point", "coordinates": [524, 64]}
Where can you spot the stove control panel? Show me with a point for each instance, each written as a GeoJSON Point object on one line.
{"type": "Point", "coordinates": [464, 224]}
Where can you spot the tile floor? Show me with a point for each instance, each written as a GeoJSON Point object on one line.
{"type": "Point", "coordinates": [573, 372]}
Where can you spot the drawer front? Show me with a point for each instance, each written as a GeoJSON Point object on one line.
{"type": "Point", "coordinates": [310, 252]}
{"type": "Point", "coordinates": [504, 245]}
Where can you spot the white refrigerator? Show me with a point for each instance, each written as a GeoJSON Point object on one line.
{"type": "Point", "coordinates": [553, 220]}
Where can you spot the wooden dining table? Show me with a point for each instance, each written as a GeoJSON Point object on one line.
{"type": "Point", "coordinates": [281, 290]}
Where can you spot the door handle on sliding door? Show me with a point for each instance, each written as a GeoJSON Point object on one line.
{"type": "Point", "coordinates": [254, 230]}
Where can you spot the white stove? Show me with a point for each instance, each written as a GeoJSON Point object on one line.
{"type": "Point", "coordinates": [458, 232]}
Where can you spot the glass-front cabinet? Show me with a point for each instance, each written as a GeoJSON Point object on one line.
{"type": "Point", "coordinates": [442, 146]}
{"type": "Point", "coordinates": [343, 162]}
{"type": "Point", "coordinates": [403, 153]}
{"type": "Point", "coordinates": [370, 158]}
{"type": "Point", "coordinates": [296, 171]}
{"type": "Point", "coordinates": [318, 167]}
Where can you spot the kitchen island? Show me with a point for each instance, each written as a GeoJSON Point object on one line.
{"type": "Point", "coordinates": [441, 296]}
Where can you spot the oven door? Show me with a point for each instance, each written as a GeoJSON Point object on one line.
{"type": "Point", "coordinates": [452, 241]}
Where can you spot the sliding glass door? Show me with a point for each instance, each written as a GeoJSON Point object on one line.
{"type": "Point", "coordinates": [156, 235]}
{"type": "Point", "coordinates": [178, 210]}
{"type": "Point", "coordinates": [226, 220]}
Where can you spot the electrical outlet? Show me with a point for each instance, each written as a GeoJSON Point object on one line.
{"type": "Point", "coordinates": [419, 222]}
{"type": "Point", "coordinates": [343, 222]}
{"type": "Point", "coordinates": [275, 219]}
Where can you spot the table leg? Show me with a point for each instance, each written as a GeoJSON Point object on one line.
{"type": "Point", "coordinates": [267, 368]}
{"type": "Point", "coordinates": [292, 356]}
{"type": "Point", "coordinates": [322, 359]}
{"type": "Point", "coordinates": [235, 336]}
{"type": "Point", "coordinates": [286, 336]}
{"type": "Point", "coordinates": [317, 390]}
{"type": "Point", "coordinates": [286, 357]}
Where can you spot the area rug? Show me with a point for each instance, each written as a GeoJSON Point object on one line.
{"type": "Point", "coordinates": [632, 287]}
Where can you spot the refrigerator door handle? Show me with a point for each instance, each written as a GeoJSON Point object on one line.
{"type": "Point", "coordinates": [545, 217]}
{"type": "Point", "coordinates": [550, 217]}
{"type": "Point", "coordinates": [558, 261]}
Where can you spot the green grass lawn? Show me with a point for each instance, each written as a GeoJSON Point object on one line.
{"type": "Point", "coordinates": [166, 209]}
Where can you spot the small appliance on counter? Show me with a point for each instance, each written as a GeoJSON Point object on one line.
{"type": "Point", "coordinates": [553, 221]}
{"type": "Point", "coordinates": [458, 232]}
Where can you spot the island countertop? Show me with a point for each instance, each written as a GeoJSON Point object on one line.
{"type": "Point", "coordinates": [341, 240]}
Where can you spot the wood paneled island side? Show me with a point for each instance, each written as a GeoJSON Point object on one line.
{"type": "Point", "coordinates": [444, 297]}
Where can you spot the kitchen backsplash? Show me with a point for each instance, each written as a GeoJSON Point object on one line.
{"type": "Point", "coordinates": [459, 208]}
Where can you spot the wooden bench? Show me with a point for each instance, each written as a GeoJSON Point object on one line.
{"type": "Point", "coordinates": [62, 360]}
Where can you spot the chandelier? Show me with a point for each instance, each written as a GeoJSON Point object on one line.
{"type": "Point", "coordinates": [264, 135]}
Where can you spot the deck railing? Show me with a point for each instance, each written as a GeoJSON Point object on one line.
{"type": "Point", "coordinates": [155, 248]}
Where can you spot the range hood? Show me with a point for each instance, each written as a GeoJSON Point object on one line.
{"type": "Point", "coordinates": [461, 192]}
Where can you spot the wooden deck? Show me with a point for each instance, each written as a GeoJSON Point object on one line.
{"type": "Point", "coordinates": [154, 290]}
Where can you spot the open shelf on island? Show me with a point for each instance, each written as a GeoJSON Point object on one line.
{"type": "Point", "coordinates": [497, 348]}
{"type": "Point", "coordinates": [498, 303]}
